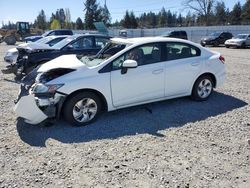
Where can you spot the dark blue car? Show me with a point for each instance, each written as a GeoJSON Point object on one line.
{"type": "Point", "coordinates": [84, 44]}
{"type": "Point", "coordinates": [49, 33]}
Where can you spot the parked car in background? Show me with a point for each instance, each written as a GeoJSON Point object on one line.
{"type": "Point", "coordinates": [86, 44]}
{"type": "Point", "coordinates": [241, 40]}
{"type": "Point", "coordinates": [145, 70]}
{"type": "Point", "coordinates": [176, 34]}
{"type": "Point", "coordinates": [215, 39]}
{"type": "Point", "coordinates": [43, 43]}
{"type": "Point", "coordinates": [49, 33]}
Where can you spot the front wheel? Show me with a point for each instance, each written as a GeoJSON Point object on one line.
{"type": "Point", "coordinates": [243, 45]}
{"type": "Point", "coordinates": [203, 88]}
{"type": "Point", "coordinates": [82, 108]}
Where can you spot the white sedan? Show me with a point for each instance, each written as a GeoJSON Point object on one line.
{"type": "Point", "coordinates": [125, 73]}
{"type": "Point", "coordinates": [241, 40]}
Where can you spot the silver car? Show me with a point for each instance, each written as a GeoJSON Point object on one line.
{"type": "Point", "coordinates": [241, 40]}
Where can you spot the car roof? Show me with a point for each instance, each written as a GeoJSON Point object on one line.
{"type": "Point", "coordinates": [57, 36]}
{"type": "Point", "coordinates": [60, 30]}
{"type": "Point", "coordinates": [142, 40]}
{"type": "Point", "coordinates": [88, 34]}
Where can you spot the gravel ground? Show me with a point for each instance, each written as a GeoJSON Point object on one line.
{"type": "Point", "coordinates": [174, 143]}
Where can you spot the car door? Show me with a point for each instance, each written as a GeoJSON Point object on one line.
{"type": "Point", "coordinates": [183, 64]}
{"type": "Point", "coordinates": [143, 83]}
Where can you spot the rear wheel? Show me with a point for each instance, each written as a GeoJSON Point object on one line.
{"type": "Point", "coordinates": [82, 108]}
{"type": "Point", "coordinates": [203, 88]}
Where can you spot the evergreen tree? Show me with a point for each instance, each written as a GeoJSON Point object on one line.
{"type": "Point", "coordinates": [105, 15]}
{"type": "Point", "coordinates": [40, 21]}
{"type": "Point", "coordinates": [79, 24]}
{"type": "Point", "coordinates": [246, 12]}
{"type": "Point", "coordinates": [92, 14]}
{"type": "Point", "coordinates": [133, 20]}
{"type": "Point", "coordinates": [126, 23]}
{"type": "Point", "coordinates": [60, 16]}
{"type": "Point", "coordinates": [236, 14]}
{"type": "Point", "coordinates": [220, 13]}
{"type": "Point", "coordinates": [163, 18]}
{"type": "Point", "coordinates": [169, 19]}
{"type": "Point", "coordinates": [179, 20]}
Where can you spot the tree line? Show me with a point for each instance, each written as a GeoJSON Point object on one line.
{"type": "Point", "coordinates": [212, 13]}
{"type": "Point", "coordinates": [201, 13]}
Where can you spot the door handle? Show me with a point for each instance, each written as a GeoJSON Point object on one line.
{"type": "Point", "coordinates": [195, 64]}
{"type": "Point", "coordinates": [158, 71]}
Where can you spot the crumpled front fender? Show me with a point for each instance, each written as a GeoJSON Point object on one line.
{"type": "Point", "coordinates": [28, 109]}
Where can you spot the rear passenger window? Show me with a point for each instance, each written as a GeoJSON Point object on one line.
{"type": "Point", "coordinates": [181, 50]}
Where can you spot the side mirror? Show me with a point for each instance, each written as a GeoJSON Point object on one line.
{"type": "Point", "coordinates": [128, 64]}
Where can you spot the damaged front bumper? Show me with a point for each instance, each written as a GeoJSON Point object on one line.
{"type": "Point", "coordinates": [36, 109]}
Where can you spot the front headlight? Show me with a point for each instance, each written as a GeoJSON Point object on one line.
{"type": "Point", "coordinates": [46, 88]}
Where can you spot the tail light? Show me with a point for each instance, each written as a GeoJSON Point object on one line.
{"type": "Point", "coordinates": [222, 59]}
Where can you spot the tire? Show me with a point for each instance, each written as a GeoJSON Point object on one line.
{"type": "Point", "coordinates": [203, 88]}
{"type": "Point", "coordinates": [77, 112]}
{"type": "Point", "coordinates": [243, 45]}
{"type": "Point", "coordinates": [227, 46]}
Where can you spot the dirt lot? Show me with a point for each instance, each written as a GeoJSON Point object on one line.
{"type": "Point", "coordinates": [175, 143]}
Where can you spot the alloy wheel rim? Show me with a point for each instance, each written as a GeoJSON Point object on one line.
{"type": "Point", "coordinates": [205, 88]}
{"type": "Point", "coordinates": [84, 110]}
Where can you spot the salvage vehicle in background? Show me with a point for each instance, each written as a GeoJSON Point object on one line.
{"type": "Point", "coordinates": [241, 40]}
{"type": "Point", "coordinates": [143, 70]}
{"type": "Point", "coordinates": [43, 43]}
{"type": "Point", "coordinates": [215, 39]}
{"type": "Point", "coordinates": [28, 59]}
{"type": "Point", "coordinates": [49, 33]}
{"type": "Point", "coordinates": [176, 34]}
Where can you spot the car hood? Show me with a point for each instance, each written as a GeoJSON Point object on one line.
{"type": "Point", "coordinates": [34, 46]}
{"type": "Point", "coordinates": [235, 40]}
{"type": "Point", "coordinates": [33, 37]}
{"type": "Point", "coordinates": [64, 61]}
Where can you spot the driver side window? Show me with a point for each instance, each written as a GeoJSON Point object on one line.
{"type": "Point", "coordinates": [143, 55]}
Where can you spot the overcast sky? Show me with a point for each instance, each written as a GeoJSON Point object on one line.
{"type": "Point", "coordinates": [27, 10]}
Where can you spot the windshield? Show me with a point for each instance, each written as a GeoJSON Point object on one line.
{"type": "Point", "coordinates": [109, 50]}
{"type": "Point", "coordinates": [63, 42]}
{"type": "Point", "coordinates": [44, 40]}
{"type": "Point", "coordinates": [46, 33]}
{"type": "Point", "coordinates": [241, 36]}
{"type": "Point", "coordinates": [214, 34]}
